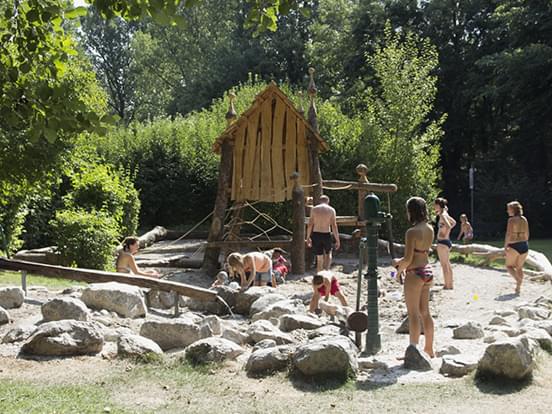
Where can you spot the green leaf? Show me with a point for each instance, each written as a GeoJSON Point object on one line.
{"type": "Point", "coordinates": [50, 135]}
{"type": "Point", "coordinates": [76, 12]}
{"type": "Point", "coordinates": [33, 15]}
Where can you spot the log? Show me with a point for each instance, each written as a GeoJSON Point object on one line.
{"type": "Point", "coordinates": [152, 236]}
{"type": "Point", "coordinates": [354, 185]}
{"type": "Point", "coordinates": [98, 276]}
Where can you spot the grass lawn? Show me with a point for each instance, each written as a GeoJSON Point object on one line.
{"type": "Point", "coordinates": [14, 279]}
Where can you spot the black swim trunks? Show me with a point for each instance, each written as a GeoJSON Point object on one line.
{"type": "Point", "coordinates": [321, 243]}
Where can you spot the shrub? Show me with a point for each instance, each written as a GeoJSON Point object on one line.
{"type": "Point", "coordinates": [85, 239]}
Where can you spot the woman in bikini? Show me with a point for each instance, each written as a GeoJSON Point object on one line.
{"type": "Point", "coordinates": [257, 264]}
{"type": "Point", "coordinates": [125, 260]}
{"type": "Point", "coordinates": [446, 224]}
{"type": "Point", "coordinates": [516, 242]}
{"type": "Point", "coordinates": [419, 276]}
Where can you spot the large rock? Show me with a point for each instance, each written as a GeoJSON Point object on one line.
{"type": "Point", "coordinates": [209, 326]}
{"type": "Point", "coordinates": [62, 338]}
{"type": "Point", "coordinates": [541, 337]}
{"type": "Point", "coordinates": [447, 350]}
{"type": "Point", "coordinates": [283, 307]}
{"type": "Point", "coordinates": [18, 333]}
{"type": "Point", "coordinates": [4, 316]}
{"type": "Point", "coordinates": [11, 297]}
{"type": "Point", "coordinates": [326, 330]}
{"type": "Point", "coordinates": [126, 300]}
{"type": "Point", "coordinates": [265, 301]}
{"type": "Point", "coordinates": [262, 329]}
{"type": "Point", "coordinates": [212, 350]}
{"type": "Point", "coordinates": [458, 365]}
{"type": "Point", "coordinates": [113, 334]}
{"type": "Point", "coordinates": [326, 356]}
{"type": "Point", "coordinates": [226, 293]}
{"type": "Point", "coordinates": [546, 325]}
{"type": "Point", "coordinates": [65, 308]}
{"type": "Point", "coordinates": [468, 330]}
{"type": "Point", "coordinates": [404, 328]}
{"type": "Point", "coordinates": [265, 361]}
{"type": "Point", "coordinates": [160, 299]}
{"type": "Point", "coordinates": [245, 299]}
{"type": "Point", "coordinates": [235, 335]}
{"type": "Point", "coordinates": [534, 313]}
{"type": "Point", "coordinates": [171, 333]}
{"type": "Point", "coordinates": [512, 359]}
{"type": "Point", "coordinates": [136, 346]}
{"type": "Point", "coordinates": [416, 359]}
{"type": "Point", "coordinates": [264, 344]}
{"type": "Point", "coordinates": [290, 323]}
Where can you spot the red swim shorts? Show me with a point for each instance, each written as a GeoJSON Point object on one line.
{"type": "Point", "coordinates": [334, 288]}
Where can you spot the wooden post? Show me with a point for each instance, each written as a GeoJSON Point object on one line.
{"type": "Point", "coordinates": [298, 242]}
{"type": "Point", "coordinates": [211, 258]}
{"type": "Point", "coordinates": [316, 175]}
{"type": "Point", "coordinates": [24, 281]}
{"type": "Point", "coordinates": [362, 171]}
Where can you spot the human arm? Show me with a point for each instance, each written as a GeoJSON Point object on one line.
{"type": "Point", "coordinates": [403, 263]}
{"type": "Point", "coordinates": [508, 233]}
{"type": "Point", "coordinates": [327, 289]}
{"type": "Point", "coordinates": [461, 232]}
{"type": "Point", "coordinates": [310, 226]}
{"type": "Point", "coordinates": [314, 301]}
{"type": "Point", "coordinates": [253, 271]}
{"type": "Point", "coordinates": [335, 231]}
{"type": "Point", "coordinates": [136, 270]}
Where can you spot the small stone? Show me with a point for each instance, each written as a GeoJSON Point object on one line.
{"type": "Point", "coordinates": [457, 366]}
{"type": "Point", "coordinates": [371, 363]}
{"type": "Point", "coordinates": [11, 297]}
{"type": "Point", "coordinates": [499, 320]}
{"type": "Point", "coordinates": [59, 309]}
{"type": "Point", "coordinates": [213, 350]}
{"type": "Point", "coordinates": [469, 330]}
{"type": "Point", "coordinates": [417, 360]}
{"type": "Point", "coordinates": [447, 350]}
{"type": "Point", "coordinates": [495, 337]}
{"type": "Point", "coordinates": [4, 316]}
{"type": "Point", "coordinates": [264, 344]}
{"type": "Point", "coordinates": [235, 335]}
{"type": "Point", "coordinates": [535, 313]}
{"type": "Point", "coordinates": [263, 361]}
{"type": "Point", "coordinates": [505, 313]}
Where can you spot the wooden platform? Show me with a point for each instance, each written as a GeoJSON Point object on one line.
{"type": "Point", "coordinates": [345, 221]}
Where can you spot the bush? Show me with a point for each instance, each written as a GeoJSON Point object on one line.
{"type": "Point", "coordinates": [85, 239]}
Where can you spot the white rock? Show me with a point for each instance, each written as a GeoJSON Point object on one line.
{"type": "Point", "coordinates": [290, 323]}
{"type": "Point", "coordinates": [136, 346]}
{"type": "Point", "coordinates": [447, 350]}
{"type": "Point", "coordinates": [499, 320]}
{"type": "Point", "coordinates": [171, 333]}
{"type": "Point", "coordinates": [469, 330]}
{"type": "Point", "coordinates": [113, 334]}
{"type": "Point", "coordinates": [505, 313]}
{"type": "Point", "coordinates": [213, 350]}
{"type": "Point", "coordinates": [532, 312]}
{"type": "Point", "coordinates": [334, 356]}
{"type": "Point", "coordinates": [264, 302]}
{"type": "Point", "coordinates": [11, 297]}
{"type": "Point", "coordinates": [263, 329]}
{"type": "Point", "coordinates": [235, 335]}
{"type": "Point", "coordinates": [126, 300]}
{"type": "Point", "coordinates": [245, 299]}
{"type": "Point", "coordinates": [66, 337]}
{"type": "Point", "coordinates": [264, 361]}
{"type": "Point", "coordinates": [371, 363]}
{"type": "Point", "coordinates": [541, 337]}
{"type": "Point", "coordinates": [209, 326]}
{"type": "Point", "coordinates": [65, 308]}
{"type": "Point", "coordinates": [283, 307]}
{"type": "Point", "coordinates": [546, 325]}
{"type": "Point", "coordinates": [512, 358]}
{"type": "Point", "coordinates": [18, 333]}
{"type": "Point", "coordinates": [458, 365]}
{"type": "Point", "coordinates": [495, 337]}
{"type": "Point", "coordinates": [4, 316]}
{"type": "Point", "coordinates": [264, 344]}
{"type": "Point", "coordinates": [326, 330]}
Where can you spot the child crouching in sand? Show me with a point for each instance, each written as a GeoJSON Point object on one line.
{"type": "Point", "coordinates": [325, 284]}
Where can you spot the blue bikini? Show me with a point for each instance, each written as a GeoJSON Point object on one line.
{"type": "Point", "coordinates": [521, 247]}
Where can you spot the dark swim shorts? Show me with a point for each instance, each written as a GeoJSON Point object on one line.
{"type": "Point", "coordinates": [321, 243]}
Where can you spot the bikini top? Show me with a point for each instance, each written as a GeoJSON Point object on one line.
{"type": "Point", "coordinates": [421, 251]}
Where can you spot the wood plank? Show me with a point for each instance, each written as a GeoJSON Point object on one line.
{"type": "Point", "coordinates": [266, 144]}
{"type": "Point", "coordinates": [256, 175]}
{"type": "Point", "coordinates": [250, 149]}
{"type": "Point", "coordinates": [97, 276]}
{"type": "Point", "coordinates": [303, 156]}
{"type": "Point", "coordinates": [278, 171]}
{"type": "Point", "coordinates": [235, 244]}
{"type": "Point", "coordinates": [237, 173]}
{"type": "Point", "coordinates": [291, 150]}
{"type": "Point", "coordinates": [355, 185]}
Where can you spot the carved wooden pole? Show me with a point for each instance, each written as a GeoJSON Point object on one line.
{"type": "Point", "coordinates": [210, 260]}
{"type": "Point", "coordinates": [298, 242]}
{"type": "Point", "coordinates": [362, 171]}
{"type": "Point", "coordinates": [316, 175]}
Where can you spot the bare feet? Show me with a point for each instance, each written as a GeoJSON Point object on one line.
{"type": "Point", "coordinates": [430, 353]}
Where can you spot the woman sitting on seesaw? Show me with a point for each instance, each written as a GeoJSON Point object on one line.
{"type": "Point", "coordinates": [127, 264]}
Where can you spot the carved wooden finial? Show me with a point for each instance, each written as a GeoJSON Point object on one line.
{"type": "Point", "coordinates": [312, 86]}
{"type": "Point", "coordinates": [301, 109]}
{"type": "Point", "coordinates": [362, 171]}
{"type": "Point", "coordinates": [231, 115]}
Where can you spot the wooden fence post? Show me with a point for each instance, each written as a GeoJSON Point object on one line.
{"type": "Point", "coordinates": [298, 242]}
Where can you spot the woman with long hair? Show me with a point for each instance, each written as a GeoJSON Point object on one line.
{"type": "Point", "coordinates": [446, 224]}
{"type": "Point", "coordinates": [126, 262]}
{"type": "Point", "coordinates": [257, 265]}
{"type": "Point", "coordinates": [516, 242]}
{"type": "Point", "coordinates": [419, 275]}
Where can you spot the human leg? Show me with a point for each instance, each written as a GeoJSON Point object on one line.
{"type": "Point", "coordinates": [443, 253]}
{"type": "Point", "coordinates": [341, 298]}
{"type": "Point", "coordinates": [412, 292]}
{"type": "Point", "coordinates": [511, 260]}
{"type": "Point", "coordinates": [327, 260]}
{"type": "Point", "coordinates": [319, 263]}
{"type": "Point", "coordinates": [314, 302]}
{"type": "Point", "coordinates": [519, 271]}
{"type": "Point", "coordinates": [427, 320]}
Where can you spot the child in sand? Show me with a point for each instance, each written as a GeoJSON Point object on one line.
{"type": "Point", "coordinates": [280, 265]}
{"type": "Point", "coordinates": [324, 283]}
{"type": "Point", "coordinates": [466, 229]}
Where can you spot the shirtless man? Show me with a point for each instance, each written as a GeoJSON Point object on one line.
{"type": "Point", "coordinates": [322, 223]}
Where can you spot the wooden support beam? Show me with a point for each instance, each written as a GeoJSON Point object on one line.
{"type": "Point", "coordinates": [237, 244]}
{"type": "Point", "coordinates": [97, 276]}
{"type": "Point", "coordinates": [298, 243]}
{"type": "Point", "coordinates": [355, 185]}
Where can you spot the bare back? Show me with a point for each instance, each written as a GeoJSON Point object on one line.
{"type": "Point", "coordinates": [418, 241]}
{"type": "Point", "coordinates": [322, 217]}
{"type": "Point", "coordinates": [261, 260]}
{"type": "Point", "coordinates": [518, 229]}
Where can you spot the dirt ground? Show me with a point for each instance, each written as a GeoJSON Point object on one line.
{"type": "Point", "coordinates": [171, 387]}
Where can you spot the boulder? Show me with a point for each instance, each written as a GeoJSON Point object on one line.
{"type": "Point", "coordinates": [416, 359]}
{"type": "Point", "coordinates": [263, 329]}
{"type": "Point", "coordinates": [226, 293]}
{"type": "Point", "coordinates": [534, 313]}
{"type": "Point", "coordinates": [265, 301]}
{"type": "Point", "coordinates": [283, 307]}
{"type": "Point", "coordinates": [265, 361]}
{"type": "Point", "coordinates": [541, 337]}
{"type": "Point", "coordinates": [245, 299]}
{"type": "Point", "coordinates": [64, 338]}
{"type": "Point", "coordinates": [235, 335]}
{"type": "Point", "coordinates": [495, 337]}
{"type": "Point", "coordinates": [505, 313]}
{"type": "Point", "coordinates": [160, 299]}
{"type": "Point", "coordinates": [4, 316]}
{"type": "Point", "coordinates": [11, 297]}
{"type": "Point", "coordinates": [290, 323]}
{"type": "Point", "coordinates": [65, 308]}
{"type": "Point", "coordinates": [209, 326]}
{"type": "Point", "coordinates": [18, 333]}
{"type": "Point", "coordinates": [126, 300]}
{"type": "Point", "coordinates": [303, 297]}
{"type": "Point", "coordinates": [458, 365]}
{"type": "Point", "coordinates": [511, 358]}
{"type": "Point", "coordinates": [468, 330]}
{"type": "Point", "coordinates": [136, 346]}
{"type": "Point", "coordinates": [171, 333]}
{"type": "Point", "coordinates": [326, 330]}
{"type": "Point", "coordinates": [264, 344]}
{"type": "Point", "coordinates": [546, 325]}
{"type": "Point", "coordinates": [404, 328]}
{"type": "Point", "coordinates": [447, 350]}
{"type": "Point", "coordinates": [371, 363]}
{"type": "Point", "coordinates": [334, 356]}
{"type": "Point", "coordinates": [212, 350]}
{"type": "Point", "coordinates": [499, 320]}
{"type": "Point", "coordinates": [113, 334]}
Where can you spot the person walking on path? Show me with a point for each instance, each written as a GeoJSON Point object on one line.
{"type": "Point", "coordinates": [516, 242]}
{"type": "Point", "coordinates": [322, 223]}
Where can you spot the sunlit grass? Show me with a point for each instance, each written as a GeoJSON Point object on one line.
{"type": "Point", "coordinates": [14, 279]}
